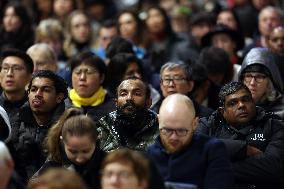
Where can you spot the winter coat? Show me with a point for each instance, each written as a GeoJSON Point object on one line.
{"type": "Point", "coordinates": [265, 133]}
{"type": "Point", "coordinates": [116, 132]}
{"type": "Point", "coordinates": [30, 153]}
{"type": "Point", "coordinates": [262, 56]}
{"type": "Point", "coordinates": [12, 109]}
{"type": "Point", "coordinates": [204, 162]}
{"type": "Point", "coordinates": [90, 172]}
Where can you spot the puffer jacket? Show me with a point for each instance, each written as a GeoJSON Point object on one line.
{"type": "Point", "coordinates": [265, 133]}
{"type": "Point", "coordinates": [30, 153]}
{"type": "Point", "coordinates": [262, 56]}
{"type": "Point", "coordinates": [115, 132]}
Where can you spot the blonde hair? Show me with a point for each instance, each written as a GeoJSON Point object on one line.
{"type": "Point", "coordinates": [49, 28]}
{"type": "Point", "coordinates": [68, 44]}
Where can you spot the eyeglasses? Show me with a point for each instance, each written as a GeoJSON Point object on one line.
{"type": "Point", "coordinates": [259, 78]}
{"type": "Point", "coordinates": [175, 80]}
{"type": "Point", "coordinates": [168, 132]}
{"type": "Point", "coordinates": [14, 69]}
{"type": "Point", "coordinates": [87, 71]}
{"type": "Point", "coordinates": [120, 175]}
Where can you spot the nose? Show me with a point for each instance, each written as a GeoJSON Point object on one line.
{"type": "Point", "coordinates": [79, 159]}
{"type": "Point", "coordinates": [82, 76]}
{"type": "Point", "coordinates": [252, 81]}
{"type": "Point", "coordinates": [39, 92]}
{"type": "Point", "coordinates": [174, 136]}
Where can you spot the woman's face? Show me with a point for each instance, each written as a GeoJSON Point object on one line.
{"type": "Point", "coordinates": [127, 26]}
{"type": "Point", "coordinates": [62, 7]}
{"type": "Point", "coordinates": [155, 21]}
{"type": "Point", "coordinates": [79, 149]}
{"type": "Point", "coordinates": [12, 22]}
{"type": "Point", "coordinates": [86, 80]}
{"type": "Point", "coordinates": [80, 28]}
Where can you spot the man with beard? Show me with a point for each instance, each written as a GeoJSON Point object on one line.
{"type": "Point", "coordinates": [253, 137]}
{"type": "Point", "coordinates": [46, 94]}
{"type": "Point", "coordinates": [184, 157]}
{"type": "Point", "coordinates": [132, 124]}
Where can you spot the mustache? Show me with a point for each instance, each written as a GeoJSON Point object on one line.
{"type": "Point", "coordinates": [127, 104]}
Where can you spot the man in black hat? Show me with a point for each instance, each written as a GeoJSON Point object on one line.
{"type": "Point", "coordinates": [225, 38]}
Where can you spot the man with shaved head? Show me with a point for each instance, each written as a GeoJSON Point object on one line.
{"type": "Point", "coordinates": [183, 156]}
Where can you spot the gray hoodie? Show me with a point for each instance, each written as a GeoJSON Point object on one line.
{"type": "Point", "coordinates": [262, 56]}
{"type": "Point", "coordinates": [6, 125]}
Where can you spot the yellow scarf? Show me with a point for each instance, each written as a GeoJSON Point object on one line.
{"type": "Point", "coordinates": [95, 100]}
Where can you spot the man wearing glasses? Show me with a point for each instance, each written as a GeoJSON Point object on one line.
{"type": "Point", "coordinates": [184, 157]}
{"type": "Point", "coordinates": [16, 71]}
{"type": "Point", "coordinates": [261, 75]}
{"type": "Point", "coordinates": [176, 78]}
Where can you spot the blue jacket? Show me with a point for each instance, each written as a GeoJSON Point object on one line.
{"type": "Point", "coordinates": [204, 162]}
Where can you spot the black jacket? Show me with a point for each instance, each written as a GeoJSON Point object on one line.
{"type": "Point", "coordinates": [90, 172]}
{"type": "Point", "coordinates": [265, 133]}
{"type": "Point", "coordinates": [12, 109]}
{"type": "Point", "coordinates": [30, 154]}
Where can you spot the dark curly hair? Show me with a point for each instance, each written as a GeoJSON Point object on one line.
{"type": "Point", "coordinates": [59, 83]}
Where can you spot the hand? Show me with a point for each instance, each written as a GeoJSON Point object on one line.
{"type": "Point", "coordinates": [253, 151]}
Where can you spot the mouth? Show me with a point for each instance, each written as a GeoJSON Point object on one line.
{"type": "Point", "coordinates": [37, 103]}
{"type": "Point", "coordinates": [9, 82]}
{"type": "Point", "coordinates": [243, 114]}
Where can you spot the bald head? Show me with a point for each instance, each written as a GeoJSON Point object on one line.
{"type": "Point", "coordinates": [177, 122]}
{"type": "Point", "coordinates": [177, 106]}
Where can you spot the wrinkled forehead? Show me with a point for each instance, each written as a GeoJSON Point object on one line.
{"type": "Point", "coordinates": [130, 85]}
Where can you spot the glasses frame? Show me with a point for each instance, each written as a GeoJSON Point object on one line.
{"type": "Point", "coordinates": [259, 78]}
{"type": "Point", "coordinates": [175, 80]}
{"type": "Point", "coordinates": [168, 132]}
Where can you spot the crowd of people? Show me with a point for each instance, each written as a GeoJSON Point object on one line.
{"type": "Point", "coordinates": [141, 94]}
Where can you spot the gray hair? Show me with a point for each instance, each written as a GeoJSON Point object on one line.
{"type": "Point", "coordinates": [177, 65]}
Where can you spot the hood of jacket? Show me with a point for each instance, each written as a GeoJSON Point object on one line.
{"type": "Point", "coordinates": [6, 124]}
{"type": "Point", "coordinates": [262, 56]}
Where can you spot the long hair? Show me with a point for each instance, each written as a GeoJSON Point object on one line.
{"type": "Point", "coordinates": [73, 122]}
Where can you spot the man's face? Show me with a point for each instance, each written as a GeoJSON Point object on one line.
{"type": "Point", "coordinates": [131, 97]}
{"type": "Point", "coordinates": [106, 35]}
{"type": "Point", "coordinates": [42, 96]}
{"type": "Point", "coordinates": [175, 81]}
{"type": "Point", "coordinates": [267, 21]}
{"type": "Point", "coordinates": [176, 129]}
{"type": "Point", "coordinates": [14, 74]}
{"type": "Point", "coordinates": [42, 61]}
{"type": "Point", "coordinates": [276, 41]}
{"type": "Point", "coordinates": [117, 175]}
{"type": "Point", "coordinates": [239, 108]}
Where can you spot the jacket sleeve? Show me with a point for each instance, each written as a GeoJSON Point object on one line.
{"type": "Point", "coordinates": [267, 166]}
{"type": "Point", "coordinates": [219, 171]}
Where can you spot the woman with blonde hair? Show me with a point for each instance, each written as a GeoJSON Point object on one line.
{"type": "Point", "coordinates": [71, 144]}
{"type": "Point", "coordinates": [78, 34]}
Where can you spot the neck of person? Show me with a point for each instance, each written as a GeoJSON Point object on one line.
{"type": "Point", "coordinates": [42, 119]}
{"type": "Point", "coordinates": [15, 95]}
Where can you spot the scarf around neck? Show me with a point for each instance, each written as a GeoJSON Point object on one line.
{"type": "Point", "coordinates": [95, 100]}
